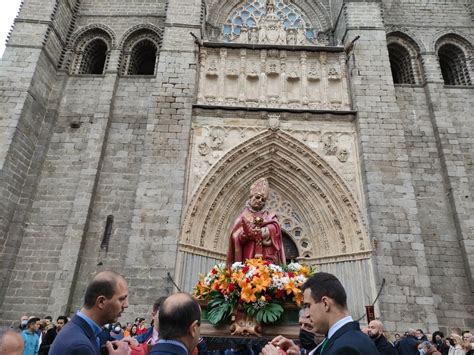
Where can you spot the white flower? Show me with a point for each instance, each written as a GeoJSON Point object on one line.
{"type": "Point", "coordinates": [252, 271]}
{"type": "Point", "coordinates": [294, 267]}
{"type": "Point", "coordinates": [259, 304]}
{"type": "Point", "coordinates": [301, 279]}
{"type": "Point", "coordinates": [279, 282]}
{"type": "Point", "coordinates": [275, 268]}
{"type": "Point", "coordinates": [237, 266]}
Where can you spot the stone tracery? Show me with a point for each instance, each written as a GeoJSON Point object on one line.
{"type": "Point", "coordinates": [268, 22]}
{"type": "Point", "coordinates": [298, 21]}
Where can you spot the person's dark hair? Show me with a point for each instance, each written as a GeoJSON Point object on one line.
{"type": "Point", "coordinates": [438, 332]}
{"type": "Point", "coordinates": [64, 318]}
{"type": "Point", "coordinates": [31, 321]}
{"type": "Point", "coordinates": [324, 284]}
{"type": "Point", "coordinates": [419, 330]}
{"type": "Point", "coordinates": [175, 319]}
{"type": "Point", "coordinates": [101, 287]}
{"type": "Point", "coordinates": [49, 318]}
{"type": "Point", "coordinates": [465, 332]}
{"type": "Point", "coordinates": [158, 303]}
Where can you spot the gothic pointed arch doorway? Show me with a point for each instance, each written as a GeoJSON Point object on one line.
{"type": "Point", "coordinates": [316, 209]}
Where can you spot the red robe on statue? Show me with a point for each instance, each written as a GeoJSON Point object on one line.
{"type": "Point", "coordinates": [256, 234]}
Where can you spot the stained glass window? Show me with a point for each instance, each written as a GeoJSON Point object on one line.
{"type": "Point", "coordinates": [252, 11]}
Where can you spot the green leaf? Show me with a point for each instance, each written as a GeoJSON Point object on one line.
{"type": "Point", "coordinates": [219, 313]}
{"type": "Point", "coordinates": [270, 313]}
{"type": "Point", "coordinates": [216, 301]}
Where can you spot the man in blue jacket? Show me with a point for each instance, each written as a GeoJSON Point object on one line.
{"type": "Point", "coordinates": [105, 299]}
{"type": "Point", "coordinates": [179, 325]}
{"type": "Point", "coordinates": [30, 336]}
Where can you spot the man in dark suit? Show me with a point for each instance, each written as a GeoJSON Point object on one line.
{"type": "Point", "coordinates": [325, 302]}
{"type": "Point", "coordinates": [408, 345]}
{"type": "Point", "coordinates": [179, 325]}
{"type": "Point", "coordinates": [375, 332]}
{"type": "Point", "coordinates": [105, 299]}
{"type": "Point", "coordinates": [51, 335]}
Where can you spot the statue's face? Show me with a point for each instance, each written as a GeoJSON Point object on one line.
{"type": "Point", "coordinates": [257, 202]}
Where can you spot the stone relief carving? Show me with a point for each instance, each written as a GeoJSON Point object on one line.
{"type": "Point", "coordinates": [336, 143]}
{"type": "Point", "coordinates": [274, 122]}
{"type": "Point", "coordinates": [273, 78]}
{"type": "Point", "coordinates": [337, 228]}
{"type": "Point", "coordinates": [329, 143]}
{"type": "Point", "coordinates": [343, 155]}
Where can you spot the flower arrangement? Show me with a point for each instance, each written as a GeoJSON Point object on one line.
{"type": "Point", "coordinates": [258, 286]}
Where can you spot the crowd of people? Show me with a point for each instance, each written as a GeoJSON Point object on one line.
{"type": "Point", "coordinates": [326, 328]}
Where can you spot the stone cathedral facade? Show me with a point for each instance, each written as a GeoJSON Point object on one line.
{"type": "Point", "coordinates": [131, 131]}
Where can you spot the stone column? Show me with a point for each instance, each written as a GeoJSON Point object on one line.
{"type": "Point", "coordinates": [160, 196]}
{"type": "Point", "coordinates": [399, 254]}
{"type": "Point", "coordinates": [29, 90]}
{"type": "Point", "coordinates": [455, 174]}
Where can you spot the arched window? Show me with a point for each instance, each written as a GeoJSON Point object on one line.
{"type": "Point", "coordinates": [140, 51]}
{"type": "Point", "coordinates": [453, 65]}
{"type": "Point", "coordinates": [90, 52]}
{"type": "Point", "coordinates": [143, 58]}
{"type": "Point", "coordinates": [401, 64]}
{"type": "Point", "coordinates": [94, 57]}
{"type": "Point", "coordinates": [247, 20]}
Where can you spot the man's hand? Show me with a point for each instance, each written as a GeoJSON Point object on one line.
{"type": "Point", "coordinates": [271, 349]}
{"type": "Point", "coordinates": [130, 341]}
{"type": "Point", "coordinates": [118, 348]}
{"type": "Point", "coordinates": [284, 343]}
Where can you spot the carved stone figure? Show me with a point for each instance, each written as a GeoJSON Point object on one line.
{"type": "Point", "coordinates": [330, 144]}
{"type": "Point", "coordinates": [343, 155]}
{"type": "Point", "coordinates": [291, 36]}
{"type": "Point", "coordinates": [253, 35]}
{"type": "Point", "coordinates": [301, 36]}
{"type": "Point", "coordinates": [256, 233]}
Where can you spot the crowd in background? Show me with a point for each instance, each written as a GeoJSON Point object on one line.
{"type": "Point", "coordinates": [38, 335]}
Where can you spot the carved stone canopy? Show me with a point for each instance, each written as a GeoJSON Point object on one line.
{"type": "Point", "coordinates": [330, 215]}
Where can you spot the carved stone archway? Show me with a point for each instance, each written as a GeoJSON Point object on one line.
{"type": "Point", "coordinates": [334, 230]}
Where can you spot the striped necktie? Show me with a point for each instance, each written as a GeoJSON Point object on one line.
{"type": "Point", "coordinates": [323, 345]}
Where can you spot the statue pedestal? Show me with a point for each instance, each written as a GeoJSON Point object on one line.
{"type": "Point", "coordinates": [287, 326]}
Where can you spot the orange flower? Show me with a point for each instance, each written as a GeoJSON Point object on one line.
{"type": "Point", "coordinates": [247, 294]}
{"type": "Point", "coordinates": [290, 287]}
{"type": "Point", "coordinates": [261, 283]}
{"type": "Point", "coordinates": [201, 289]}
{"type": "Point", "coordinates": [298, 298]}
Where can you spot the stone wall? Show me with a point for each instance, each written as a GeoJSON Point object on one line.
{"type": "Point", "coordinates": [451, 293]}
{"type": "Point", "coordinates": [27, 80]}
{"type": "Point", "coordinates": [391, 201]}
{"type": "Point", "coordinates": [76, 149]}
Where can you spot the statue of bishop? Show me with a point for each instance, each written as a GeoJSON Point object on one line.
{"type": "Point", "coordinates": [256, 232]}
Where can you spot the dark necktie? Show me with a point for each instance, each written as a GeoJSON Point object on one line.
{"type": "Point", "coordinates": [323, 345]}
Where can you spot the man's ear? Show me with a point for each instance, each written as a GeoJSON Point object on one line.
{"type": "Point", "coordinates": [194, 328]}
{"type": "Point", "coordinates": [327, 303]}
{"type": "Point", "coordinates": [100, 302]}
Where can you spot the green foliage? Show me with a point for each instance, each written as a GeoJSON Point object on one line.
{"type": "Point", "coordinates": [269, 314]}
{"type": "Point", "coordinates": [219, 310]}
